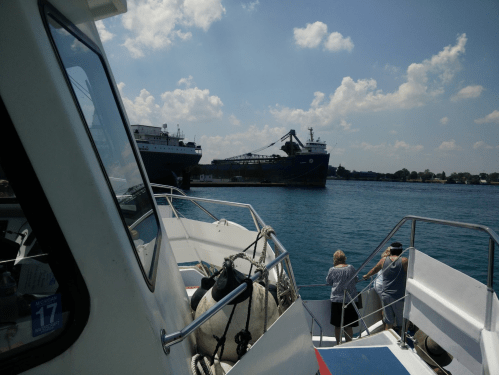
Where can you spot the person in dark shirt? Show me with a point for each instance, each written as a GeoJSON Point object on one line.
{"type": "Point", "coordinates": [394, 278]}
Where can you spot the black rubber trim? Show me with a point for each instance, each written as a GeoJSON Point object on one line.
{"type": "Point", "coordinates": [36, 208]}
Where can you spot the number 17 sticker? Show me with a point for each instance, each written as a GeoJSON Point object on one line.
{"type": "Point", "coordinates": [46, 315]}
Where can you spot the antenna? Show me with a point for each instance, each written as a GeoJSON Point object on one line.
{"type": "Point", "coordinates": [311, 134]}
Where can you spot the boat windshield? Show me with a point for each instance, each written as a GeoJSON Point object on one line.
{"type": "Point", "coordinates": [107, 129]}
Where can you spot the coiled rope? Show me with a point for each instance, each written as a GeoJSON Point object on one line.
{"type": "Point", "coordinates": [200, 365]}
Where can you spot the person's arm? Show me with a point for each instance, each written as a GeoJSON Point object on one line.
{"type": "Point", "coordinates": [329, 277]}
{"type": "Point", "coordinates": [405, 263]}
{"type": "Point", "coordinates": [375, 269]}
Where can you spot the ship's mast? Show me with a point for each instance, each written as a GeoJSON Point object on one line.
{"type": "Point", "coordinates": [311, 134]}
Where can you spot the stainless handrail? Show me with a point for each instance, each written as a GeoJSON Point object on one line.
{"type": "Point", "coordinates": [316, 321]}
{"type": "Point", "coordinates": [493, 236]}
{"type": "Point", "coordinates": [358, 312]}
{"type": "Point", "coordinates": [493, 239]}
{"type": "Point", "coordinates": [256, 217]}
{"type": "Point", "coordinates": [180, 191]}
{"type": "Point", "coordinates": [282, 255]}
{"type": "Point", "coordinates": [168, 340]}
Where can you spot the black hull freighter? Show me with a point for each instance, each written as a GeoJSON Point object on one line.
{"type": "Point", "coordinates": [165, 155]}
{"type": "Point", "coordinates": [304, 165]}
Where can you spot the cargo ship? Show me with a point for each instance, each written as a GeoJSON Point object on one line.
{"type": "Point", "coordinates": [303, 165]}
{"type": "Point", "coordinates": [166, 157]}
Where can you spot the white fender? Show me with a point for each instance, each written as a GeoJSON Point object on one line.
{"type": "Point", "coordinates": [216, 325]}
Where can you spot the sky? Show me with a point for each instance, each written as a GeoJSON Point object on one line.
{"type": "Point", "coordinates": [388, 85]}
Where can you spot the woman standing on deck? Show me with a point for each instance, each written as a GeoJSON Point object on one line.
{"type": "Point", "coordinates": [338, 276]}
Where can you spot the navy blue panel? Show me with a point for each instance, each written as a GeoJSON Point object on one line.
{"type": "Point", "coordinates": [362, 361]}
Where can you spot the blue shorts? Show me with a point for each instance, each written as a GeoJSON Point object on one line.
{"type": "Point", "coordinates": [393, 312]}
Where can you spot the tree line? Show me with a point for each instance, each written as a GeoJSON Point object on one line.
{"type": "Point", "coordinates": [405, 175]}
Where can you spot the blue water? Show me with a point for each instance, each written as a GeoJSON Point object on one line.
{"type": "Point", "coordinates": [355, 216]}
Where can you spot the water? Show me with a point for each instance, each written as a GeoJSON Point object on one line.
{"type": "Point", "coordinates": [355, 216]}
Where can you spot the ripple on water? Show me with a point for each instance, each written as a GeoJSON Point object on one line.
{"type": "Point", "coordinates": [355, 216]}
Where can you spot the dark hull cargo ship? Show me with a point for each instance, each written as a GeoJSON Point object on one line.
{"type": "Point", "coordinates": [304, 165]}
{"type": "Point", "coordinates": [166, 157]}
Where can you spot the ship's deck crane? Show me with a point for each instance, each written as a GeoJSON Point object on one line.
{"type": "Point", "coordinates": [286, 148]}
{"type": "Point", "coordinates": [292, 134]}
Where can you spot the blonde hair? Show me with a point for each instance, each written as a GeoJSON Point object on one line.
{"type": "Point", "coordinates": [339, 257]}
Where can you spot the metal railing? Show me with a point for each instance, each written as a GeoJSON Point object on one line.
{"type": "Point", "coordinates": [314, 319]}
{"type": "Point", "coordinates": [493, 239]}
{"type": "Point", "coordinates": [281, 255]}
{"type": "Point", "coordinates": [259, 223]}
{"type": "Point", "coordinates": [168, 340]}
{"type": "Point", "coordinates": [181, 192]}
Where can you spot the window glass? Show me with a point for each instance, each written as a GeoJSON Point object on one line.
{"type": "Point", "coordinates": [31, 303]}
{"type": "Point", "coordinates": [95, 97]}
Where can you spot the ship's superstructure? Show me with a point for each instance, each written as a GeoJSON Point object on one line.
{"type": "Point", "coordinates": [164, 152]}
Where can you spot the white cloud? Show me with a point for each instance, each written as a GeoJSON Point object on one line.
{"type": "Point", "coordinates": [444, 120]}
{"type": "Point", "coordinates": [155, 24]}
{"type": "Point", "coordinates": [389, 149]}
{"type": "Point", "coordinates": [218, 147]}
{"type": "Point", "coordinates": [335, 151]}
{"type": "Point", "coordinates": [401, 145]}
{"type": "Point", "coordinates": [314, 33]}
{"type": "Point", "coordinates": [392, 69]}
{"type": "Point", "coordinates": [482, 145]}
{"type": "Point", "coordinates": [202, 13]}
{"type": "Point", "coordinates": [185, 81]}
{"type": "Point", "coordinates": [424, 82]}
{"type": "Point", "coordinates": [374, 148]}
{"type": "Point", "coordinates": [347, 127]}
{"type": "Point", "coordinates": [190, 104]}
{"type": "Point", "coordinates": [104, 34]}
{"type": "Point", "coordinates": [491, 117]}
{"type": "Point", "coordinates": [449, 146]}
{"type": "Point", "coordinates": [393, 132]}
{"type": "Point", "coordinates": [468, 92]}
{"type": "Point", "coordinates": [336, 42]}
{"type": "Point", "coordinates": [311, 36]}
{"type": "Point", "coordinates": [234, 120]}
{"type": "Point", "coordinates": [251, 6]}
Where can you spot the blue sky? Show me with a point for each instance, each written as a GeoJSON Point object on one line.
{"type": "Point", "coordinates": [388, 85]}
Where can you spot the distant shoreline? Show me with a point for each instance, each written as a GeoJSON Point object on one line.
{"type": "Point", "coordinates": [407, 181]}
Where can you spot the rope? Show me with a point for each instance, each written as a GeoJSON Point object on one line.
{"type": "Point", "coordinates": [266, 232]}
{"type": "Point", "coordinates": [200, 365]}
{"type": "Point", "coordinates": [265, 274]}
{"type": "Point", "coordinates": [244, 336]}
{"type": "Point", "coordinates": [285, 294]}
{"type": "Point", "coordinates": [254, 251]}
{"type": "Point", "coordinates": [221, 340]}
